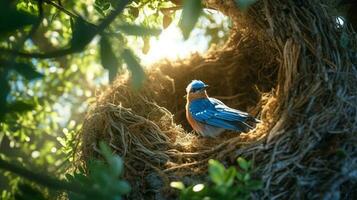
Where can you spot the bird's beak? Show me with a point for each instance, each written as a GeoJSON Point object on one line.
{"type": "Point", "coordinates": [206, 86]}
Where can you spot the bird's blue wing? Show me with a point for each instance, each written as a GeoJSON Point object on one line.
{"type": "Point", "coordinates": [217, 114]}
{"type": "Point", "coordinates": [219, 105]}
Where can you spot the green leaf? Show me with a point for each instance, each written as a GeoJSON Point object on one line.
{"type": "Point", "coordinates": [137, 72]}
{"type": "Point", "coordinates": [240, 176]}
{"type": "Point", "coordinates": [101, 6]}
{"type": "Point", "coordinates": [136, 30]}
{"type": "Point", "coordinates": [82, 34]}
{"type": "Point", "coordinates": [246, 177]}
{"type": "Point", "coordinates": [244, 4]}
{"type": "Point", "coordinates": [192, 10]}
{"type": "Point", "coordinates": [229, 176]}
{"type": "Point", "coordinates": [254, 185]}
{"type": "Point", "coordinates": [12, 19]}
{"type": "Point", "coordinates": [105, 150]}
{"type": "Point", "coordinates": [108, 58]}
{"type": "Point", "coordinates": [177, 185]}
{"type": "Point", "coordinates": [99, 10]}
{"type": "Point", "coordinates": [121, 187]}
{"type": "Point", "coordinates": [216, 171]}
{"type": "Point", "coordinates": [243, 163]}
{"type": "Point", "coordinates": [189, 194]}
{"type": "Point", "coordinates": [27, 70]}
{"type": "Point", "coordinates": [115, 163]}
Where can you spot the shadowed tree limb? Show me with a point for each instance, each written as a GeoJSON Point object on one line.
{"type": "Point", "coordinates": [45, 180]}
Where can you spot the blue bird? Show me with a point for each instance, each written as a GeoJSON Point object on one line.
{"type": "Point", "coordinates": [210, 117]}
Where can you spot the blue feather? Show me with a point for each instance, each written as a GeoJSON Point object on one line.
{"type": "Point", "coordinates": [213, 112]}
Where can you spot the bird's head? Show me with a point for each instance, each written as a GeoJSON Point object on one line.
{"type": "Point", "coordinates": [196, 88]}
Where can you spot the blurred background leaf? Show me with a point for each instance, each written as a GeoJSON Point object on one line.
{"type": "Point", "coordinates": [192, 10]}
{"type": "Point", "coordinates": [108, 58]}
{"type": "Point", "coordinates": [82, 34]}
{"type": "Point", "coordinates": [137, 71]}
{"type": "Point", "coordinates": [27, 70]}
{"type": "Point", "coordinates": [136, 30]}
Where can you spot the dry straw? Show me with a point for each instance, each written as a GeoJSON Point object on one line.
{"type": "Point", "coordinates": [287, 62]}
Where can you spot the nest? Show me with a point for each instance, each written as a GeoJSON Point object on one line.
{"type": "Point", "coordinates": [283, 62]}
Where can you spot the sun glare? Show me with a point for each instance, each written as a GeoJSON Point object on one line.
{"type": "Point", "coordinates": [171, 45]}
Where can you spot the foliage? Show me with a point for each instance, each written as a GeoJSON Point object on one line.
{"type": "Point", "coordinates": [226, 183]}
{"type": "Point", "coordinates": [103, 180]}
{"type": "Point", "coordinates": [191, 12]}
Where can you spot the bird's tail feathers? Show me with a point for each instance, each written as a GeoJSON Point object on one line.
{"type": "Point", "coordinates": [248, 124]}
{"type": "Point", "coordinates": [242, 126]}
{"type": "Point", "coordinates": [251, 119]}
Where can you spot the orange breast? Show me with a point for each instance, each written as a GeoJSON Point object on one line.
{"type": "Point", "coordinates": [197, 126]}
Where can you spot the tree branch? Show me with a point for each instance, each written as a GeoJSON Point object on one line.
{"type": "Point", "coordinates": [45, 180]}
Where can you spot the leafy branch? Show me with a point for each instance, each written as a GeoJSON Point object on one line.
{"type": "Point", "coordinates": [84, 28]}
{"type": "Point", "coordinates": [226, 183]}
{"type": "Point", "coordinates": [102, 182]}
{"type": "Point", "coordinates": [83, 33]}
{"type": "Point", "coordinates": [42, 179]}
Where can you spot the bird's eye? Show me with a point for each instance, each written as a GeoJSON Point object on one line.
{"type": "Point", "coordinates": [195, 90]}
